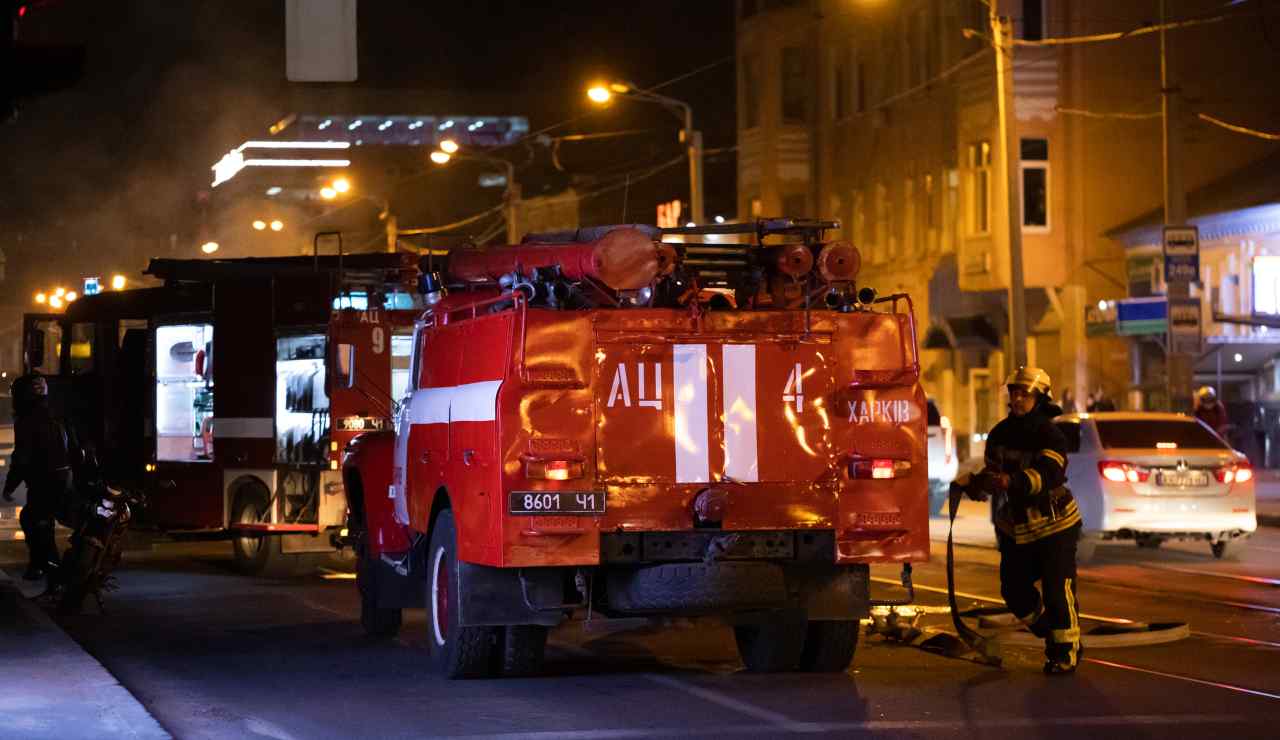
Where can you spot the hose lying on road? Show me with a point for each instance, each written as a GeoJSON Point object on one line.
{"type": "Point", "coordinates": [1001, 629]}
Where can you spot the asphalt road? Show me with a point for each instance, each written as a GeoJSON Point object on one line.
{"type": "Point", "coordinates": [215, 655]}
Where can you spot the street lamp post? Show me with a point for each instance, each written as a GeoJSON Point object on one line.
{"type": "Point", "coordinates": [691, 139]}
{"type": "Point", "coordinates": [511, 194]}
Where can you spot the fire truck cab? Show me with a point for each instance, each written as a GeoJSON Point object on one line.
{"type": "Point", "coordinates": [620, 423]}
{"type": "Point", "coordinates": [228, 393]}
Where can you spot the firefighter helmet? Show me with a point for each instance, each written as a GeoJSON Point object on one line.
{"type": "Point", "coordinates": [1032, 378]}
{"type": "Point", "coordinates": [1206, 393]}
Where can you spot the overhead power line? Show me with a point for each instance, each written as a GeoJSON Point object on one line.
{"type": "Point", "coordinates": [449, 227]}
{"type": "Point", "coordinates": [1100, 114]}
{"type": "Point", "coordinates": [1237, 128]}
{"type": "Point", "coordinates": [1117, 35]}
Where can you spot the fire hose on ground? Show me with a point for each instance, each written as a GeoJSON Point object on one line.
{"type": "Point", "coordinates": [899, 621]}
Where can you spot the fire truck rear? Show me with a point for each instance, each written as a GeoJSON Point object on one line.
{"type": "Point", "coordinates": [622, 423]}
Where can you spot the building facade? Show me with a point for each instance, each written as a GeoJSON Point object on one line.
{"type": "Point", "coordinates": [884, 115]}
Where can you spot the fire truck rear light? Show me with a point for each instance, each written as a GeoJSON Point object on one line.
{"type": "Point", "coordinates": [879, 468]}
{"type": "Point", "coordinates": [553, 469]}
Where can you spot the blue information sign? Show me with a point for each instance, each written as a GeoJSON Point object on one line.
{"type": "Point", "coordinates": [1181, 254]}
{"type": "Point", "coordinates": [92, 286]}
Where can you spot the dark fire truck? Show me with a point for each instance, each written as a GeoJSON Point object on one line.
{"type": "Point", "coordinates": [620, 423]}
{"type": "Point", "coordinates": [228, 393]}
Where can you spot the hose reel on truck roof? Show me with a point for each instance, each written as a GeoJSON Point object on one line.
{"type": "Point", "coordinates": [776, 263]}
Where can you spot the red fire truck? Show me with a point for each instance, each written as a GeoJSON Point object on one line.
{"type": "Point", "coordinates": [620, 423]}
{"type": "Point", "coordinates": [228, 393]}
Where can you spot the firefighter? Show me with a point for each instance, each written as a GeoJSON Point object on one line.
{"type": "Point", "coordinates": [41, 459]}
{"type": "Point", "coordinates": [1211, 411]}
{"type": "Point", "coordinates": [1036, 519]}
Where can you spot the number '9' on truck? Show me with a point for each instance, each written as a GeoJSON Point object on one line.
{"type": "Point", "coordinates": [622, 423]}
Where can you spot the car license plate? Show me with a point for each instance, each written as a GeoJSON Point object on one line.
{"type": "Point", "coordinates": [527, 503]}
{"type": "Point", "coordinates": [1188, 479]}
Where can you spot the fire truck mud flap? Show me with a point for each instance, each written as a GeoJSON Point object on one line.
{"type": "Point", "coordinates": [510, 596]}
{"type": "Point", "coordinates": [830, 593]}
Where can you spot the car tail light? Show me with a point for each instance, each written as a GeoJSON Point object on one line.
{"type": "Point", "coordinates": [1121, 472]}
{"type": "Point", "coordinates": [1237, 473]}
{"type": "Point", "coordinates": [878, 468]}
{"type": "Point", "coordinates": [553, 469]}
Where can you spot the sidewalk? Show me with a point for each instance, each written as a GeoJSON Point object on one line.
{"type": "Point", "coordinates": [51, 688]}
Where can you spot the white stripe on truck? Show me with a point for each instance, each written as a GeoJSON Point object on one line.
{"type": "Point", "coordinates": [467, 402]}
{"type": "Point", "coordinates": [739, 372]}
{"type": "Point", "coordinates": [690, 380]}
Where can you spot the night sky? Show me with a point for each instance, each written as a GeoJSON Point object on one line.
{"type": "Point", "coordinates": [99, 176]}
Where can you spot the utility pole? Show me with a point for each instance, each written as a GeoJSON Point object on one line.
{"type": "Point", "coordinates": [693, 144]}
{"type": "Point", "coordinates": [1002, 32]}
{"type": "Point", "coordinates": [1180, 367]}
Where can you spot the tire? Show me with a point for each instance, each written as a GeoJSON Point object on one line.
{"type": "Point", "coordinates": [1150, 542]}
{"type": "Point", "coordinates": [697, 587]}
{"type": "Point", "coordinates": [78, 575]}
{"type": "Point", "coordinates": [1225, 549]}
{"type": "Point", "coordinates": [521, 649]}
{"type": "Point", "coordinates": [774, 646]}
{"type": "Point", "coordinates": [456, 651]}
{"type": "Point", "coordinates": [259, 555]}
{"type": "Point", "coordinates": [377, 622]}
{"type": "Point", "coordinates": [829, 646]}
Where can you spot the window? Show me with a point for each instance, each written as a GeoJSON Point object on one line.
{"type": "Point", "coordinates": [1033, 19]}
{"type": "Point", "coordinates": [184, 393]}
{"type": "Point", "coordinates": [750, 92]}
{"type": "Point", "coordinates": [1035, 184]}
{"type": "Point", "coordinates": [840, 86]}
{"type": "Point", "coordinates": [1189, 434]}
{"type": "Point", "coordinates": [980, 188]}
{"type": "Point", "coordinates": [795, 85]}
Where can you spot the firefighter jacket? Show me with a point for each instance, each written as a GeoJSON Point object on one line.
{"type": "Point", "coordinates": [40, 450]}
{"type": "Point", "coordinates": [1033, 453]}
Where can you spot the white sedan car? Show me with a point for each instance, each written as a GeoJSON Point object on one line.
{"type": "Point", "coordinates": [1151, 477]}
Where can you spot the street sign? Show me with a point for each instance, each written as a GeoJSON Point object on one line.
{"type": "Point", "coordinates": [1137, 316]}
{"type": "Point", "coordinates": [1181, 254]}
{"type": "Point", "coordinates": [92, 286]}
{"type": "Point", "coordinates": [1184, 325]}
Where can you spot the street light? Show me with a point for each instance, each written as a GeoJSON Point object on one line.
{"type": "Point", "coordinates": [209, 247]}
{"type": "Point", "coordinates": [70, 296]}
{"type": "Point", "coordinates": [55, 302]}
{"type": "Point", "coordinates": [277, 225]}
{"type": "Point", "coordinates": [41, 298]}
{"type": "Point", "coordinates": [259, 225]}
{"type": "Point", "coordinates": [117, 282]}
{"type": "Point", "coordinates": [59, 292]}
{"type": "Point", "coordinates": [601, 94]}
{"type": "Point", "coordinates": [511, 194]}
{"type": "Point", "coordinates": [328, 193]}
{"type": "Point", "coordinates": [341, 185]}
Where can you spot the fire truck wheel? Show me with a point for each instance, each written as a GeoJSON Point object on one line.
{"type": "Point", "coordinates": [377, 622]}
{"type": "Point", "coordinates": [829, 646]}
{"type": "Point", "coordinates": [256, 555]}
{"type": "Point", "coordinates": [522, 647]}
{"type": "Point", "coordinates": [773, 646]}
{"type": "Point", "coordinates": [456, 651]}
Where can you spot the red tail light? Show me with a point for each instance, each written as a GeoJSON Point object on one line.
{"type": "Point", "coordinates": [1122, 472]}
{"type": "Point", "coordinates": [1236, 473]}
{"type": "Point", "coordinates": [878, 468]}
{"type": "Point", "coordinates": [553, 469]}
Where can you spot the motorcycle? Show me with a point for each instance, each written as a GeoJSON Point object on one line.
{"type": "Point", "coordinates": [99, 519]}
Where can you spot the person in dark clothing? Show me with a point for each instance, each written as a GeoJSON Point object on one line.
{"type": "Point", "coordinates": [1036, 518]}
{"type": "Point", "coordinates": [41, 460]}
{"type": "Point", "coordinates": [1211, 411]}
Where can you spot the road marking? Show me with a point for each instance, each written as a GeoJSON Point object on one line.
{"type": "Point", "coordinates": [1198, 572]}
{"type": "Point", "coordinates": [1233, 638]}
{"type": "Point", "coordinates": [1188, 679]}
{"type": "Point", "coordinates": [779, 721]}
{"type": "Point", "coordinates": [919, 725]}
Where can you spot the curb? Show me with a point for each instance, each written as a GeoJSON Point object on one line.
{"type": "Point", "coordinates": [54, 688]}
